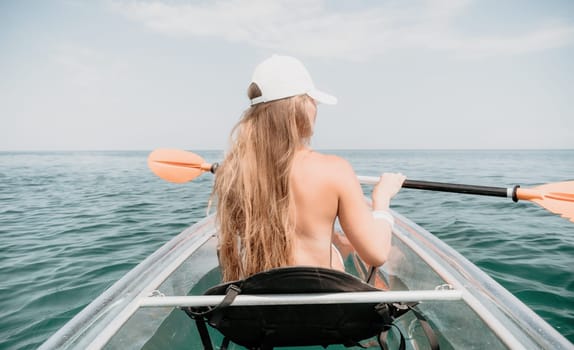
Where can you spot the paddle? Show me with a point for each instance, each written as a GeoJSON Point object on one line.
{"type": "Point", "coordinates": [178, 166]}
{"type": "Point", "coordinates": [181, 166]}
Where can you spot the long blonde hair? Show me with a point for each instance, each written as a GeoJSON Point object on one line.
{"type": "Point", "coordinates": [252, 187]}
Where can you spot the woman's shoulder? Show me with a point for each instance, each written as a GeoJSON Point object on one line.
{"type": "Point", "coordinates": [332, 165]}
{"type": "Point", "coordinates": [335, 160]}
{"type": "Point", "coordinates": [325, 159]}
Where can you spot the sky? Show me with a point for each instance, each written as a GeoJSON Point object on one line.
{"type": "Point", "coordinates": [413, 74]}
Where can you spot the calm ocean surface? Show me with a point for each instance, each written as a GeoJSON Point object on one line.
{"type": "Point", "coordinates": [73, 223]}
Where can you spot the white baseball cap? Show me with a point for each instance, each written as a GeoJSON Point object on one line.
{"type": "Point", "coordinates": [284, 76]}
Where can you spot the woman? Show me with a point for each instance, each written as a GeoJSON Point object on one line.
{"type": "Point", "coordinates": [277, 199]}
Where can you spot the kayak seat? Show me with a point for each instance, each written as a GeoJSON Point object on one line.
{"type": "Point", "coordinates": [264, 327]}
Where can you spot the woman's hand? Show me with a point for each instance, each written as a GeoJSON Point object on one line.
{"type": "Point", "coordinates": [387, 187]}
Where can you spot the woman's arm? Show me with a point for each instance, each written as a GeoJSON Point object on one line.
{"type": "Point", "coordinates": [370, 237]}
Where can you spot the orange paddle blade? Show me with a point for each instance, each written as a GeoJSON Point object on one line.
{"type": "Point", "coordinates": [557, 197]}
{"type": "Point", "coordinates": [176, 166]}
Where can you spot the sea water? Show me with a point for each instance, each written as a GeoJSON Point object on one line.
{"type": "Point", "coordinates": [73, 223]}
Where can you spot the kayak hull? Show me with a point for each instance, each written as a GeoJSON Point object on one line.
{"type": "Point", "coordinates": [480, 314]}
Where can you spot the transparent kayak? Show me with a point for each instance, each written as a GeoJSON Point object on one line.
{"type": "Point", "coordinates": [466, 308]}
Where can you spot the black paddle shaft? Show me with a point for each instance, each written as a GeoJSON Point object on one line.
{"type": "Point", "coordinates": [458, 188]}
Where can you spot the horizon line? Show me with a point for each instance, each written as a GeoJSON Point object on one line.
{"type": "Point", "coordinates": [317, 149]}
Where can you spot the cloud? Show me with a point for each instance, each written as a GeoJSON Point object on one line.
{"type": "Point", "coordinates": [538, 40]}
{"type": "Point", "coordinates": [313, 28]}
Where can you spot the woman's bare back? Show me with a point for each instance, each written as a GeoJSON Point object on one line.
{"type": "Point", "coordinates": [325, 187]}
{"type": "Point", "coordinates": [316, 206]}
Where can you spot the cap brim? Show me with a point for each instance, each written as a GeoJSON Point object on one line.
{"type": "Point", "coordinates": [322, 97]}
